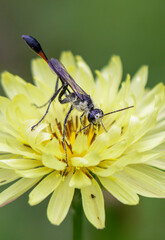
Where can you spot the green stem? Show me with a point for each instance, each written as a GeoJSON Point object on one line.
{"type": "Point", "coordinates": [77, 219]}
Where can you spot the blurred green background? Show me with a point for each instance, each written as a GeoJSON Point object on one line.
{"type": "Point", "coordinates": [135, 30]}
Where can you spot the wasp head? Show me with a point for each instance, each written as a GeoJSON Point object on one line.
{"type": "Point", "coordinates": [94, 115]}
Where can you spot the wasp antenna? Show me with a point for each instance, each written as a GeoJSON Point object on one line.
{"type": "Point", "coordinates": [119, 110]}
{"type": "Point", "coordinates": [35, 46]}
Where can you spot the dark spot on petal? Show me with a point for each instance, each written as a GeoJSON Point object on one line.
{"type": "Point", "coordinates": [26, 145]}
{"type": "Point", "coordinates": [93, 196]}
{"type": "Point", "coordinates": [122, 130]}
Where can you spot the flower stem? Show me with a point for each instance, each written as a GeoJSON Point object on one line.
{"type": "Point", "coordinates": [77, 218]}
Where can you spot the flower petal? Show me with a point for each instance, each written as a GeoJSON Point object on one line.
{"type": "Point", "coordinates": [115, 151]}
{"type": "Point", "coordinates": [120, 190]}
{"type": "Point", "coordinates": [92, 158]}
{"type": "Point", "coordinates": [52, 162]}
{"type": "Point", "coordinates": [19, 110]}
{"type": "Point", "coordinates": [20, 163]}
{"type": "Point", "coordinates": [41, 71]}
{"type": "Point", "coordinates": [13, 85]}
{"type": "Point", "coordinates": [4, 102]}
{"type": "Point", "coordinates": [139, 81]}
{"type": "Point", "coordinates": [16, 190]}
{"type": "Point", "coordinates": [113, 73]}
{"type": "Point", "coordinates": [37, 136]}
{"type": "Point", "coordinates": [145, 180]}
{"type": "Point", "coordinates": [85, 76]}
{"type": "Point", "coordinates": [67, 59]}
{"type": "Point", "coordinates": [158, 162]}
{"type": "Point", "coordinates": [102, 85]}
{"type": "Point", "coordinates": [53, 147]}
{"type": "Point", "coordinates": [79, 180]}
{"type": "Point", "coordinates": [36, 95]}
{"type": "Point", "coordinates": [101, 142]}
{"type": "Point", "coordinates": [11, 145]}
{"type": "Point", "coordinates": [60, 201]}
{"type": "Point", "coordinates": [44, 188]}
{"type": "Point", "coordinates": [141, 127]}
{"type": "Point", "coordinates": [93, 204]}
{"type": "Point", "coordinates": [149, 142]}
{"type": "Point", "coordinates": [148, 103]}
{"type": "Point", "coordinates": [34, 173]}
{"type": "Point", "coordinates": [7, 176]}
{"type": "Point", "coordinates": [80, 144]}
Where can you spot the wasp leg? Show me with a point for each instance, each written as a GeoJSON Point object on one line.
{"type": "Point", "coordinates": [63, 101]}
{"type": "Point", "coordinates": [56, 89]}
{"type": "Point", "coordinates": [81, 119]}
{"type": "Point", "coordinates": [57, 83]}
{"type": "Point", "coordinates": [35, 105]}
{"type": "Point", "coordinates": [63, 135]}
{"type": "Point", "coordinates": [63, 92]}
{"type": "Point", "coordinates": [49, 103]}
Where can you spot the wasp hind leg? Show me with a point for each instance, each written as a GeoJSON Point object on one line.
{"type": "Point", "coordinates": [45, 104]}
{"type": "Point", "coordinates": [35, 105]}
{"type": "Point", "coordinates": [49, 103]}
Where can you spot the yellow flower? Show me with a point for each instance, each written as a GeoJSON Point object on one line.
{"type": "Point", "coordinates": [127, 160]}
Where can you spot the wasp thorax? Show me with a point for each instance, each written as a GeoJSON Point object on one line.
{"type": "Point", "coordinates": [94, 115]}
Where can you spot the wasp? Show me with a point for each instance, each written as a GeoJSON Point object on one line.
{"type": "Point", "coordinates": [78, 98]}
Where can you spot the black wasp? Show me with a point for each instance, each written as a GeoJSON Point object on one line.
{"type": "Point", "coordinates": [78, 99]}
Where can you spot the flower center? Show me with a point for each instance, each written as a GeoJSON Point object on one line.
{"type": "Point", "coordinates": [77, 142]}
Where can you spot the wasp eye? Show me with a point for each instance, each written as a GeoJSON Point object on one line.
{"type": "Point", "coordinates": [91, 117]}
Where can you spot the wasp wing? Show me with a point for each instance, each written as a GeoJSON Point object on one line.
{"type": "Point", "coordinates": [62, 73]}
